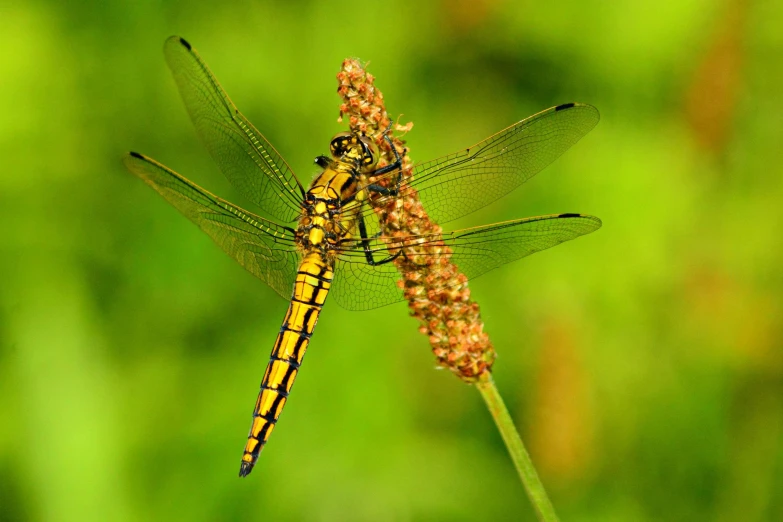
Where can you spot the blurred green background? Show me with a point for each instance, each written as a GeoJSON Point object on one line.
{"type": "Point", "coordinates": [642, 363]}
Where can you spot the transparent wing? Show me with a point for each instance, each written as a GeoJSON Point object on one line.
{"type": "Point", "coordinates": [460, 183]}
{"type": "Point", "coordinates": [264, 248]}
{"type": "Point", "coordinates": [246, 158]}
{"type": "Point", "coordinates": [361, 286]}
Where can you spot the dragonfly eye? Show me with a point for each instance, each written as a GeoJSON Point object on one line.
{"type": "Point", "coordinates": [342, 144]}
{"type": "Point", "coordinates": [356, 148]}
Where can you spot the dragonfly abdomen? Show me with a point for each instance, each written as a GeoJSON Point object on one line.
{"type": "Point", "coordinates": [313, 281]}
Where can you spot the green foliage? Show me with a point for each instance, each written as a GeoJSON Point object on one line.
{"type": "Point", "coordinates": [642, 363]}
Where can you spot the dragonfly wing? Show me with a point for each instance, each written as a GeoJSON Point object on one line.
{"type": "Point", "coordinates": [460, 183]}
{"type": "Point", "coordinates": [247, 159]}
{"type": "Point", "coordinates": [478, 250]}
{"type": "Point", "coordinates": [475, 251]}
{"type": "Point", "coordinates": [357, 285]}
{"type": "Point", "coordinates": [266, 249]}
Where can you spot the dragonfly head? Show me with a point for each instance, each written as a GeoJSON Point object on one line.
{"type": "Point", "coordinates": [356, 148]}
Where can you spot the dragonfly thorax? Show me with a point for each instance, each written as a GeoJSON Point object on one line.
{"type": "Point", "coordinates": [328, 214]}
{"type": "Point", "coordinates": [319, 225]}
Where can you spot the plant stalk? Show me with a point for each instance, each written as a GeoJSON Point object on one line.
{"type": "Point", "coordinates": [527, 473]}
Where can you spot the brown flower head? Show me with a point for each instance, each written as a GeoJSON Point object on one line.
{"type": "Point", "coordinates": [437, 292]}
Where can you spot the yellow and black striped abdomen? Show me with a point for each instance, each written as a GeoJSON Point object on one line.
{"type": "Point", "coordinates": [312, 285]}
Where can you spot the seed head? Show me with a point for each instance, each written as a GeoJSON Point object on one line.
{"type": "Point", "coordinates": [437, 292]}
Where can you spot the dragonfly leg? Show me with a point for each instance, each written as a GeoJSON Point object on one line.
{"type": "Point", "coordinates": [367, 250]}
{"type": "Point", "coordinates": [383, 191]}
{"type": "Point", "coordinates": [397, 158]}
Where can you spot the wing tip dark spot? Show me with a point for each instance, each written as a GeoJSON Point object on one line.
{"type": "Point", "coordinates": [564, 106]}
{"type": "Point", "coordinates": [569, 215]}
{"type": "Point", "coordinates": [185, 43]}
{"type": "Point", "coordinates": [137, 155]}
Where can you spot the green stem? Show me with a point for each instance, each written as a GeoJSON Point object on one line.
{"type": "Point", "coordinates": [527, 473]}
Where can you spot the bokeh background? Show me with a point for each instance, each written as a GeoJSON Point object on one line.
{"type": "Point", "coordinates": [642, 364]}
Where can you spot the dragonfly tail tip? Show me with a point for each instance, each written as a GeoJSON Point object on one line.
{"type": "Point", "coordinates": [245, 469]}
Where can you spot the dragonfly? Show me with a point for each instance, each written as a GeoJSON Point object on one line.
{"type": "Point", "coordinates": [307, 243]}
